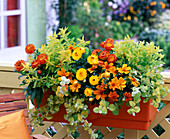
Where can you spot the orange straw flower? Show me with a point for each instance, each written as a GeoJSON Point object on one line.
{"type": "Point", "coordinates": [19, 65]}
{"type": "Point", "coordinates": [42, 58]}
{"type": "Point", "coordinates": [63, 73]}
{"type": "Point", "coordinates": [30, 48]}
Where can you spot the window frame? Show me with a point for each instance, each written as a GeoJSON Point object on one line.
{"type": "Point", "coordinates": [12, 54]}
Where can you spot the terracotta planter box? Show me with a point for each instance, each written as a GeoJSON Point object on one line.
{"type": "Point", "coordinates": [141, 121]}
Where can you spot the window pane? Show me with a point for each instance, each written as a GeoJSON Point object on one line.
{"type": "Point", "coordinates": [11, 4]}
{"type": "Point", "coordinates": [12, 31]}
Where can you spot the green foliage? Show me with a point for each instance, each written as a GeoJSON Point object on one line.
{"type": "Point", "coordinates": [160, 38]}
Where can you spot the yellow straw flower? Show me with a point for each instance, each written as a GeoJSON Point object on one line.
{"type": "Point", "coordinates": [94, 80]}
{"type": "Point", "coordinates": [88, 92]}
{"type": "Point", "coordinates": [81, 74]}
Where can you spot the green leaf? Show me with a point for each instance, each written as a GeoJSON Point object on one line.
{"type": "Point", "coordinates": [112, 107]}
{"type": "Point", "coordinates": [96, 110]}
{"type": "Point", "coordinates": [137, 109]}
{"type": "Point", "coordinates": [39, 96]}
{"type": "Point", "coordinates": [104, 111]}
{"type": "Point", "coordinates": [116, 112]}
{"type": "Point", "coordinates": [49, 117]}
{"type": "Point", "coordinates": [132, 103]}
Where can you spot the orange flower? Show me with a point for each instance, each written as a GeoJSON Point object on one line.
{"type": "Point", "coordinates": [63, 73]}
{"type": "Point", "coordinates": [122, 83]}
{"type": "Point", "coordinates": [134, 82]}
{"type": "Point", "coordinates": [104, 54]}
{"type": "Point", "coordinates": [102, 44]}
{"type": "Point", "coordinates": [111, 58]}
{"type": "Point", "coordinates": [107, 66]}
{"type": "Point", "coordinates": [75, 86]}
{"type": "Point", "coordinates": [113, 96]}
{"type": "Point", "coordinates": [30, 48]}
{"type": "Point", "coordinates": [128, 96]}
{"type": "Point", "coordinates": [70, 75]}
{"type": "Point", "coordinates": [42, 58]}
{"type": "Point", "coordinates": [95, 51]}
{"type": "Point", "coordinates": [102, 86]}
{"type": "Point", "coordinates": [19, 65]}
{"type": "Point", "coordinates": [114, 83]}
{"type": "Point", "coordinates": [113, 70]}
{"type": "Point", "coordinates": [163, 6]}
{"type": "Point", "coordinates": [147, 7]}
{"type": "Point", "coordinates": [100, 63]}
{"type": "Point", "coordinates": [124, 69]}
{"type": "Point", "coordinates": [71, 47]}
{"type": "Point", "coordinates": [153, 12]}
{"type": "Point", "coordinates": [109, 45]}
{"type": "Point", "coordinates": [153, 3]}
{"type": "Point", "coordinates": [35, 64]}
{"type": "Point", "coordinates": [100, 93]}
{"type": "Point", "coordinates": [91, 70]}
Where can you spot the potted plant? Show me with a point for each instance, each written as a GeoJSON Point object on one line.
{"type": "Point", "coordinates": [72, 83]}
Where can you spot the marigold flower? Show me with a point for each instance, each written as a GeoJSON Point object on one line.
{"type": "Point", "coordinates": [100, 94]}
{"type": "Point", "coordinates": [42, 58]}
{"type": "Point", "coordinates": [128, 96]}
{"type": "Point", "coordinates": [76, 55]}
{"type": "Point", "coordinates": [95, 51]}
{"type": "Point", "coordinates": [63, 73]}
{"type": "Point", "coordinates": [114, 83]}
{"type": "Point", "coordinates": [113, 96]}
{"type": "Point", "coordinates": [88, 92]}
{"type": "Point", "coordinates": [92, 59]}
{"type": "Point", "coordinates": [91, 70]}
{"type": "Point", "coordinates": [134, 82]}
{"type": "Point", "coordinates": [71, 47]}
{"type": "Point", "coordinates": [111, 58]}
{"type": "Point", "coordinates": [107, 66]}
{"type": "Point", "coordinates": [19, 65]}
{"type": "Point", "coordinates": [30, 48]}
{"type": "Point", "coordinates": [75, 86]}
{"type": "Point", "coordinates": [153, 3]}
{"type": "Point", "coordinates": [81, 49]}
{"type": "Point", "coordinates": [104, 54]}
{"type": "Point", "coordinates": [94, 80]}
{"type": "Point", "coordinates": [122, 83]}
{"type": "Point", "coordinates": [35, 64]}
{"type": "Point", "coordinates": [113, 70]}
{"type": "Point", "coordinates": [81, 74]}
{"type": "Point", "coordinates": [124, 69]}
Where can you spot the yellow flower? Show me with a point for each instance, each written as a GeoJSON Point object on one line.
{"type": "Point", "coordinates": [88, 92]}
{"type": "Point", "coordinates": [81, 49]}
{"type": "Point", "coordinates": [124, 69]}
{"type": "Point", "coordinates": [118, 23]}
{"type": "Point", "coordinates": [92, 59]}
{"type": "Point", "coordinates": [129, 17]}
{"type": "Point", "coordinates": [76, 55]}
{"type": "Point", "coordinates": [81, 74]}
{"type": "Point", "coordinates": [122, 83]}
{"type": "Point", "coordinates": [94, 80]}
